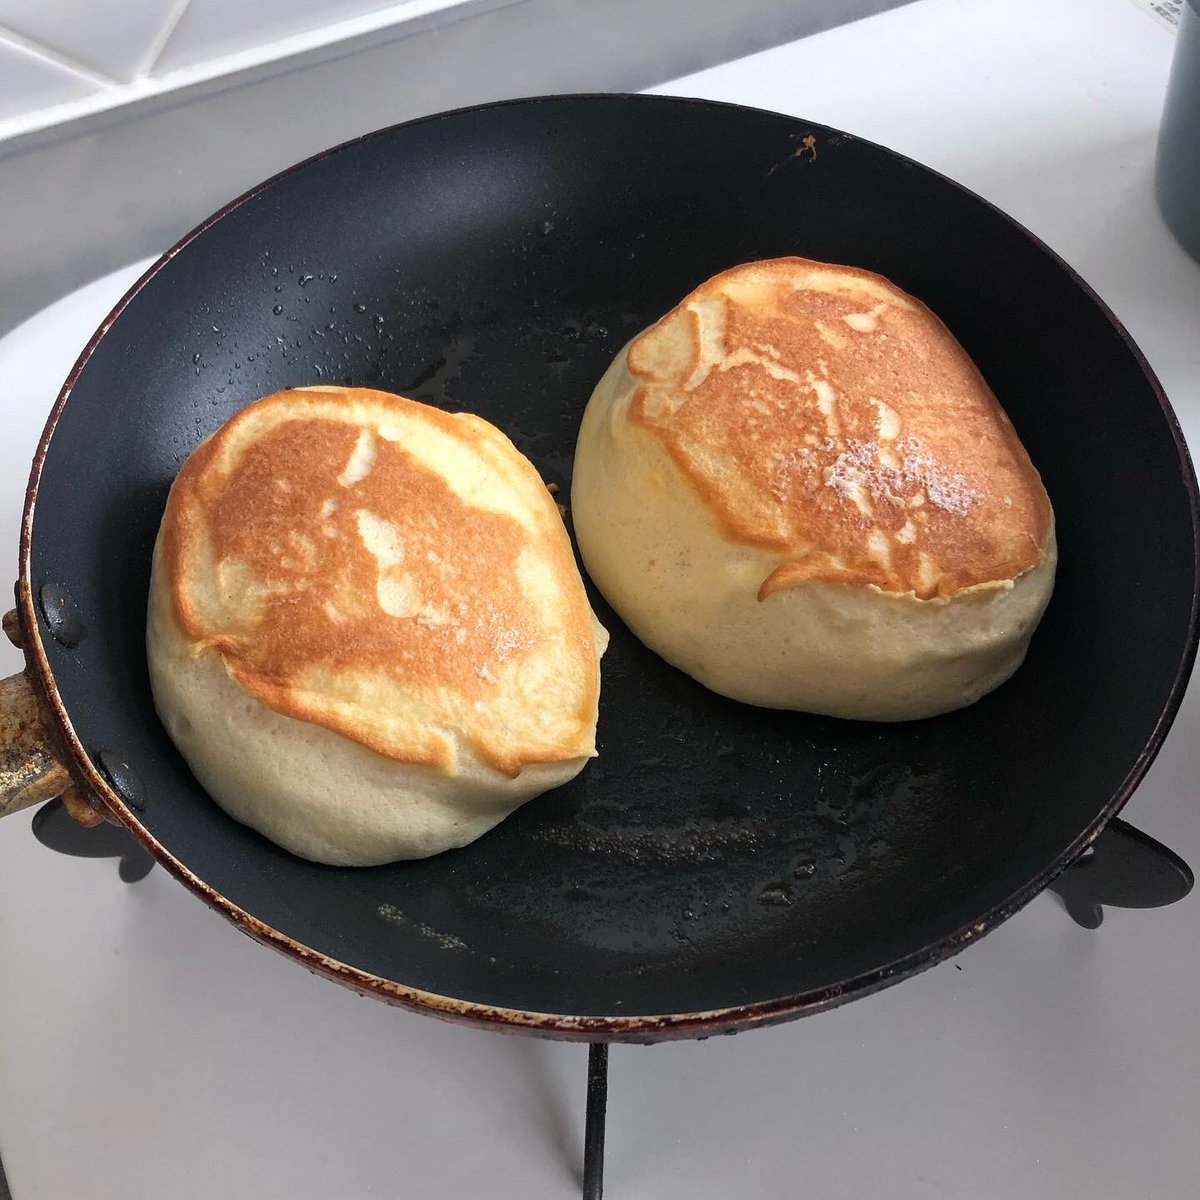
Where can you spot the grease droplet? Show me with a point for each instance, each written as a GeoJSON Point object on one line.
{"type": "Point", "coordinates": [775, 893]}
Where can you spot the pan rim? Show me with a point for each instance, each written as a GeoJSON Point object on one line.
{"type": "Point", "coordinates": [634, 1027]}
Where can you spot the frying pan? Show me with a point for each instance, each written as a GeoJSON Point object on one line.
{"type": "Point", "coordinates": [718, 866]}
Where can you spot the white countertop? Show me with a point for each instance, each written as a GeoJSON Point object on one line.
{"type": "Point", "coordinates": [148, 1050]}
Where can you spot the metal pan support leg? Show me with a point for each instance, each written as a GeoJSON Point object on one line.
{"type": "Point", "coordinates": [593, 1136]}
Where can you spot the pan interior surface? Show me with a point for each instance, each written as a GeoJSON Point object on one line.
{"type": "Point", "coordinates": [715, 855]}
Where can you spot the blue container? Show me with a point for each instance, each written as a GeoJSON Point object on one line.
{"type": "Point", "coordinates": [1177, 176]}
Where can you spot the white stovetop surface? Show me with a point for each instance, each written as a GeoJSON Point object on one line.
{"type": "Point", "coordinates": [148, 1050]}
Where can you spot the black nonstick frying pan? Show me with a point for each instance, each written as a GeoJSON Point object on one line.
{"type": "Point", "coordinates": [718, 865]}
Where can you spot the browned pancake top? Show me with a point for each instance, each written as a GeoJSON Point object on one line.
{"type": "Point", "coordinates": [322, 541]}
{"type": "Point", "coordinates": [824, 415]}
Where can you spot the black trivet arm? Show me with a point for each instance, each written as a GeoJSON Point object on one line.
{"type": "Point", "coordinates": [1123, 867]}
{"type": "Point", "coordinates": [57, 830]}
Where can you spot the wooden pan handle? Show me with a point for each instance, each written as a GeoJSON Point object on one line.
{"type": "Point", "coordinates": [31, 770]}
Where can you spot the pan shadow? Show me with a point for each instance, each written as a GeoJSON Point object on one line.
{"type": "Point", "coordinates": [555, 1114]}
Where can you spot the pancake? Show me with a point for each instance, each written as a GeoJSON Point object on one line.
{"type": "Point", "coordinates": [798, 488]}
{"type": "Point", "coordinates": [367, 633]}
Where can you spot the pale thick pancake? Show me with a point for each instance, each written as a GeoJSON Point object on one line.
{"type": "Point", "coordinates": [798, 488]}
{"type": "Point", "coordinates": [367, 633]}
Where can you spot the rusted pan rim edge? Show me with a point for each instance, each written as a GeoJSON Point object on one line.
{"type": "Point", "coordinates": [646, 1028]}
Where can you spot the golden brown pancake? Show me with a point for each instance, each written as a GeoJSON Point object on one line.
{"type": "Point", "coordinates": [824, 415]}
{"type": "Point", "coordinates": [794, 471]}
{"type": "Point", "coordinates": [387, 572]}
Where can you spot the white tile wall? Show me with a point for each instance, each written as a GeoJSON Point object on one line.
{"type": "Point", "coordinates": [29, 81]}
{"type": "Point", "coordinates": [65, 59]}
{"type": "Point", "coordinates": [211, 29]}
{"type": "Point", "coordinates": [115, 37]}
